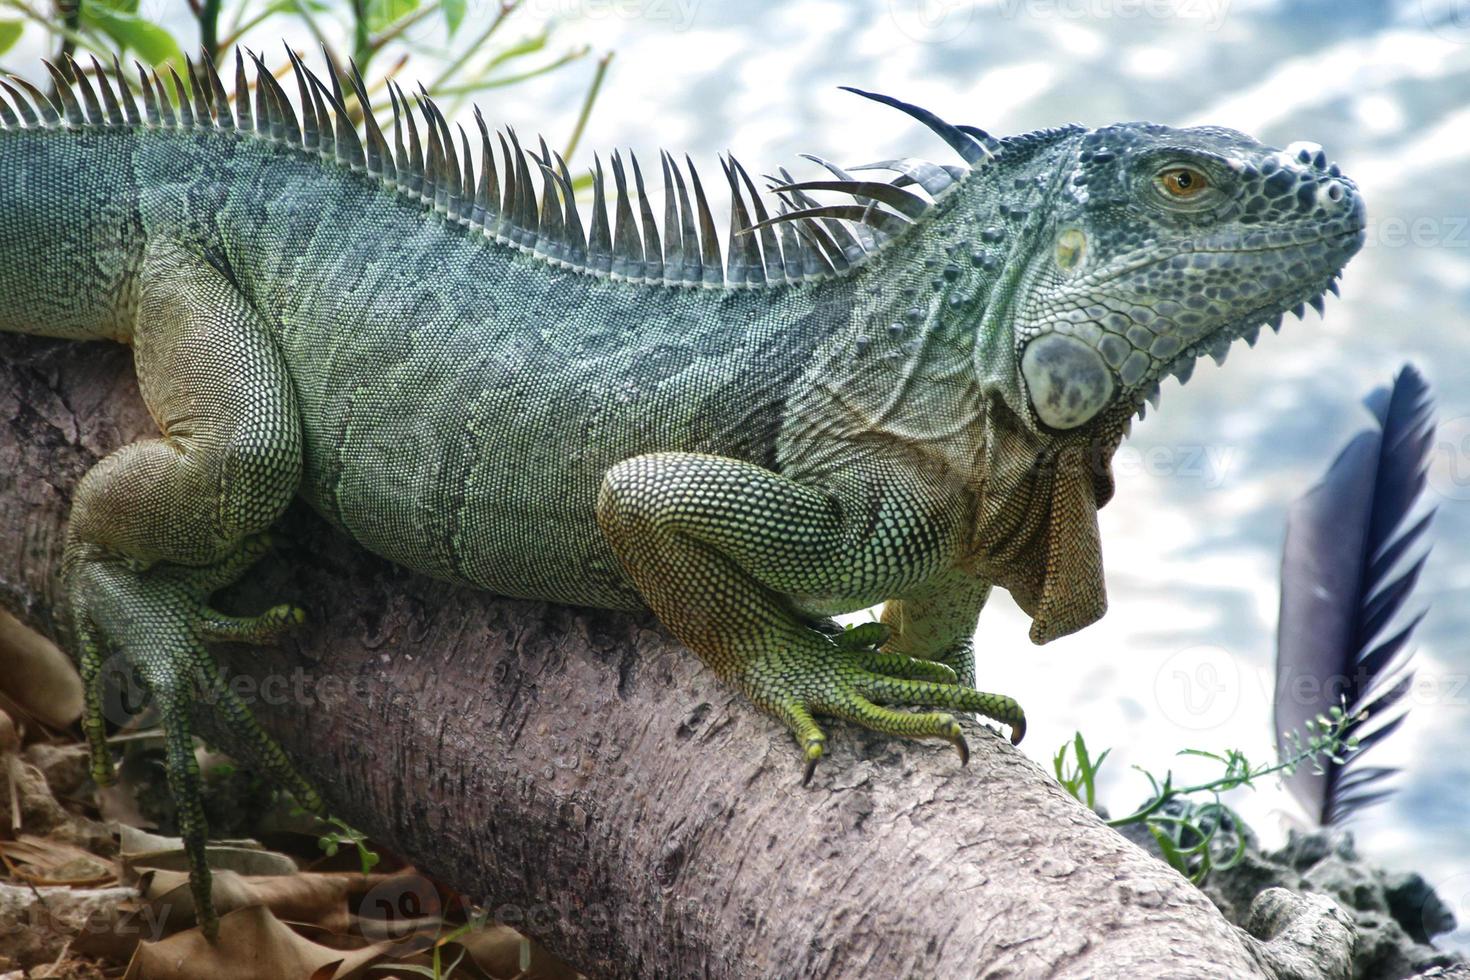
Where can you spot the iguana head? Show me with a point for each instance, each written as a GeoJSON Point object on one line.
{"type": "Point", "coordinates": [1164, 245]}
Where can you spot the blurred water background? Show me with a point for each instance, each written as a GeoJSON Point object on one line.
{"type": "Point", "coordinates": [1192, 540]}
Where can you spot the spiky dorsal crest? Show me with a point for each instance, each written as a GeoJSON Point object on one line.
{"type": "Point", "coordinates": [802, 240]}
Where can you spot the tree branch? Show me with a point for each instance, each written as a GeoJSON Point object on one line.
{"type": "Point", "coordinates": [589, 782]}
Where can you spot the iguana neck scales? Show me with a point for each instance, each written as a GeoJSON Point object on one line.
{"type": "Point", "coordinates": [903, 397]}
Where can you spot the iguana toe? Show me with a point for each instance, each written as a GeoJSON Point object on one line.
{"type": "Point", "coordinates": [863, 686]}
{"type": "Point", "coordinates": [863, 636]}
{"type": "Point", "coordinates": [157, 622]}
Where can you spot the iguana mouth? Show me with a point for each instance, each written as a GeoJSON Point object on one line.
{"type": "Point", "coordinates": [1069, 379]}
{"type": "Point", "coordinates": [1068, 382]}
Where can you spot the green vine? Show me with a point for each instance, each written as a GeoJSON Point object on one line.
{"type": "Point", "coordinates": [1197, 837]}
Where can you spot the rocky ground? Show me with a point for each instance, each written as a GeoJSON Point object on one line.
{"type": "Point", "coordinates": [1396, 914]}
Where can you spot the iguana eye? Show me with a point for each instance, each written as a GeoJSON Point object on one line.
{"type": "Point", "coordinates": [1182, 182]}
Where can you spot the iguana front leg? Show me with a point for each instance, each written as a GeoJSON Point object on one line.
{"type": "Point", "coordinates": [937, 622]}
{"type": "Point", "coordinates": [718, 548]}
{"type": "Point", "coordinates": [160, 524]}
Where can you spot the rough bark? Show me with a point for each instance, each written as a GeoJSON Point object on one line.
{"type": "Point", "coordinates": [588, 781]}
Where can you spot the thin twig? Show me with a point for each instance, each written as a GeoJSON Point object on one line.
{"type": "Point", "coordinates": [507, 7]}
{"type": "Point", "coordinates": [587, 104]}
{"type": "Point", "coordinates": [478, 86]}
{"type": "Point", "coordinates": [391, 32]}
{"type": "Point", "coordinates": [79, 40]}
{"type": "Point", "coordinates": [208, 14]}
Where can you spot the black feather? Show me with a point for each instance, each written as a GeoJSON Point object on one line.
{"type": "Point", "coordinates": [1339, 591]}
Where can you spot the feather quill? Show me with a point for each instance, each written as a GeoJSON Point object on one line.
{"type": "Point", "coordinates": [1342, 583]}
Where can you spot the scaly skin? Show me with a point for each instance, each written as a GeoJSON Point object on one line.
{"type": "Point", "coordinates": [467, 384]}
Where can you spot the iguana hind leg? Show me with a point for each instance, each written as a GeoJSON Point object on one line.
{"type": "Point", "coordinates": [718, 547]}
{"type": "Point", "coordinates": [937, 622]}
{"type": "Point", "coordinates": [160, 524]}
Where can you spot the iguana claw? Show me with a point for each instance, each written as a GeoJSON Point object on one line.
{"type": "Point", "coordinates": [845, 677]}
{"type": "Point", "coordinates": [963, 748]}
{"type": "Point", "coordinates": [157, 622]}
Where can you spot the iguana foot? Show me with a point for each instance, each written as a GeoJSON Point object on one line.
{"type": "Point", "coordinates": [157, 622]}
{"type": "Point", "coordinates": [961, 659]}
{"type": "Point", "coordinates": [845, 676]}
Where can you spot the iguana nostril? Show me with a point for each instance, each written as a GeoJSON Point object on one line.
{"type": "Point", "coordinates": [1067, 381]}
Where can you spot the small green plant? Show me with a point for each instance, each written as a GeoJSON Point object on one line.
{"type": "Point", "coordinates": [1197, 837]}
{"type": "Point", "coordinates": [438, 970]}
{"type": "Point", "coordinates": [332, 840]}
{"type": "Point", "coordinates": [471, 57]}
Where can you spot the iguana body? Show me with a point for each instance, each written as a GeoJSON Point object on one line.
{"type": "Point", "coordinates": [443, 363]}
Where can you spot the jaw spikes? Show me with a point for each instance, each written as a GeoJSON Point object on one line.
{"type": "Point", "coordinates": [1181, 368]}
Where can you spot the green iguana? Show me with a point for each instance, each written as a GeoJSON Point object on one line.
{"type": "Point", "coordinates": [905, 398]}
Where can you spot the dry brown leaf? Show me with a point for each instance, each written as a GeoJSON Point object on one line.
{"type": "Point", "coordinates": [37, 675]}
{"type": "Point", "coordinates": [500, 951]}
{"type": "Point", "coordinates": [252, 945]}
{"type": "Point", "coordinates": [141, 851]}
{"type": "Point", "coordinates": [311, 898]}
{"type": "Point", "coordinates": [43, 861]}
{"type": "Point", "coordinates": [326, 902]}
{"type": "Point", "coordinates": [9, 735]}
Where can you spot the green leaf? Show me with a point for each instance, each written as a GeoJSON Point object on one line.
{"type": "Point", "coordinates": [1170, 852]}
{"type": "Point", "coordinates": [1079, 746]}
{"type": "Point", "coordinates": [152, 43]}
{"type": "Point", "coordinates": [381, 13]}
{"type": "Point", "coordinates": [10, 31]}
{"type": "Point", "coordinates": [520, 49]}
{"type": "Point", "coordinates": [1235, 856]}
{"type": "Point", "coordinates": [453, 11]}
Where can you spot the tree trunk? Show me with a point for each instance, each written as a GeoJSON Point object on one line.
{"type": "Point", "coordinates": [589, 782]}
